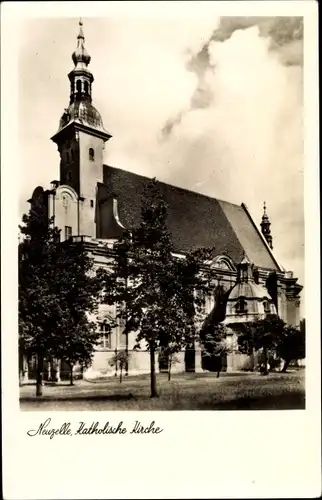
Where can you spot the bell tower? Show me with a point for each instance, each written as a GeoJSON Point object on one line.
{"type": "Point", "coordinates": [81, 139]}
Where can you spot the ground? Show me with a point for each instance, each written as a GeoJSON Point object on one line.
{"type": "Point", "coordinates": [186, 391]}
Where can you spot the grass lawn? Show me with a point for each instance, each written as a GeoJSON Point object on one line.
{"type": "Point", "coordinates": [186, 391]}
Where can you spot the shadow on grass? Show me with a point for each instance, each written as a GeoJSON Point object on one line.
{"type": "Point", "coordinates": [49, 384]}
{"type": "Point", "coordinates": [271, 402]}
{"type": "Point", "coordinates": [282, 402]}
{"type": "Point", "coordinates": [96, 398]}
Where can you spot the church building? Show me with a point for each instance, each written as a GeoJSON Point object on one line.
{"type": "Point", "coordinates": [95, 202]}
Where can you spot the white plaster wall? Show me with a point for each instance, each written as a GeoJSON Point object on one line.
{"type": "Point", "coordinates": [63, 205]}
{"type": "Point", "coordinates": [90, 173]}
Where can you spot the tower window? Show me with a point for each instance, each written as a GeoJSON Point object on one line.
{"type": "Point", "coordinates": [91, 154]}
{"type": "Point", "coordinates": [68, 232]}
{"type": "Point", "coordinates": [92, 203]}
{"type": "Point", "coordinates": [86, 87]}
{"type": "Point", "coordinates": [79, 85]}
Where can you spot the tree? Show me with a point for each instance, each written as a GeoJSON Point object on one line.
{"type": "Point", "coordinates": [57, 289]}
{"type": "Point", "coordinates": [173, 360]}
{"type": "Point", "coordinates": [292, 345]}
{"type": "Point", "coordinates": [264, 334]}
{"type": "Point", "coordinates": [173, 342]}
{"type": "Point", "coordinates": [215, 345]}
{"type": "Point", "coordinates": [120, 360]}
{"type": "Point", "coordinates": [153, 288]}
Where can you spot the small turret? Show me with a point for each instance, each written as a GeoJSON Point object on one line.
{"type": "Point", "coordinates": [265, 225]}
{"type": "Point", "coordinates": [245, 270]}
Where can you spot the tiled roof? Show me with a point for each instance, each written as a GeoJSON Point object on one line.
{"type": "Point", "coordinates": [194, 220]}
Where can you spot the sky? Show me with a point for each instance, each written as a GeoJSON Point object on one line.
{"type": "Point", "coordinates": [212, 104]}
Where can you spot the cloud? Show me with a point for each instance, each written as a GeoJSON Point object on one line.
{"type": "Point", "coordinates": [241, 139]}
{"type": "Point", "coordinates": [280, 31]}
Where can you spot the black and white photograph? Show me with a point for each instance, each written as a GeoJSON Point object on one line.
{"type": "Point", "coordinates": [161, 234]}
{"type": "Point", "coordinates": [155, 258]}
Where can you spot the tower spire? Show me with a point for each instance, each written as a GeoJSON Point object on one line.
{"type": "Point", "coordinates": [80, 56]}
{"type": "Point", "coordinates": [265, 226]}
{"type": "Point", "coordinates": [80, 109]}
{"type": "Point", "coordinates": [80, 77]}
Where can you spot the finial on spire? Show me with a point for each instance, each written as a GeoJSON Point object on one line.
{"type": "Point", "coordinates": [81, 33]}
{"type": "Point", "coordinates": [245, 259]}
{"type": "Point", "coordinates": [264, 206]}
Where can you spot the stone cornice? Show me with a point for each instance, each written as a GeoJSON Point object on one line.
{"type": "Point", "coordinates": [104, 248]}
{"type": "Point", "coordinates": [76, 126]}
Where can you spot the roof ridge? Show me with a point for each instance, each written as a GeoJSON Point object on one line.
{"type": "Point", "coordinates": [174, 186]}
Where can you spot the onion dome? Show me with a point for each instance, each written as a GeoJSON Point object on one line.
{"type": "Point", "coordinates": [80, 56]}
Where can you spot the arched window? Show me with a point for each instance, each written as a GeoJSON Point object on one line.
{"type": "Point", "coordinates": [105, 335]}
{"type": "Point", "coordinates": [91, 154]}
{"type": "Point", "coordinates": [241, 306]}
{"type": "Point", "coordinates": [267, 308]}
{"type": "Point", "coordinates": [86, 88]}
{"type": "Point", "coordinates": [256, 276]}
{"type": "Point", "coordinates": [79, 85]}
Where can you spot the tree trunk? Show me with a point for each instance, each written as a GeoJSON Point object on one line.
{"type": "Point", "coordinates": [115, 374]}
{"type": "Point", "coordinates": [265, 372]}
{"type": "Point", "coordinates": [39, 376]}
{"type": "Point", "coordinates": [169, 370]}
{"type": "Point", "coordinates": [127, 355]}
{"type": "Point", "coordinates": [286, 365]}
{"type": "Point", "coordinates": [154, 393]}
{"type": "Point", "coordinates": [219, 368]}
{"type": "Point", "coordinates": [71, 382]}
{"type": "Point", "coordinates": [121, 371]}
